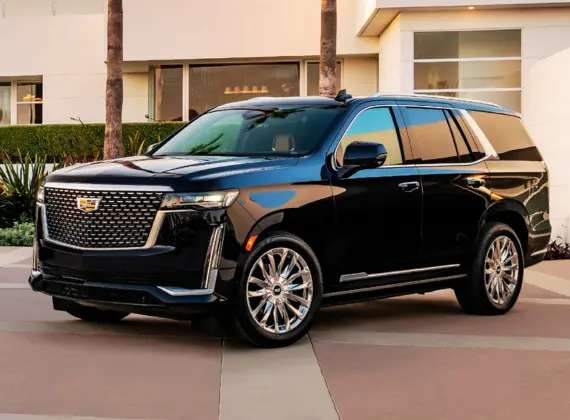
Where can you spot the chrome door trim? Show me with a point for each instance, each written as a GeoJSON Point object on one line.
{"type": "Point", "coordinates": [365, 276]}
{"type": "Point", "coordinates": [107, 187]}
{"type": "Point", "coordinates": [393, 286]}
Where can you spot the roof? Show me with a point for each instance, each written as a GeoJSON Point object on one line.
{"type": "Point", "coordinates": [461, 103]}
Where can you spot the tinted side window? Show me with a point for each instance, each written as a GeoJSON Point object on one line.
{"type": "Point", "coordinates": [507, 135]}
{"type": "Point", "coordinates": [375, 125]}
{"type": "Point", "coordinates": [462, 147]}
{"type": "Point", "coordinates": [432, 139]}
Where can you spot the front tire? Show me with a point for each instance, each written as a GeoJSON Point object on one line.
{"type": "Point", "coordinates": [496, 274]}
{"type": "Point", "coordinates": [280, 292]}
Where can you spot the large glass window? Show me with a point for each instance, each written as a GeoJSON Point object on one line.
{"type": "Point", "coordinates": [375, 125]}
{"type": "Point", "coordinates": [168, 93]}
{"type": "Point", "coordinates": [5, 103]}
{"type": "Point", "coordinates": [313, 69]}
{"type": "Point", "coordinates": [214, 85]}
{"type": "Point", "coordinates": [287, 131]}
{"type": "Point", "coordinates": [483, 65]}
{"type": "Point", "coordinates": [29, 102]}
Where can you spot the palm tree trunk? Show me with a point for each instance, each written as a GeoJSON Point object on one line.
{"type": "Point", "coordinates": [114, 95]}
{"type": "Point", "coordinates": [327, 68]}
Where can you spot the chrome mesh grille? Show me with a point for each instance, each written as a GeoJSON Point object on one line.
{"type": "Point", "coordinates": [123, 220]}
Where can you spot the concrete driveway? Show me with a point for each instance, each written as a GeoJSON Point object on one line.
{"type": "Point", "coordinates": [407, 358]}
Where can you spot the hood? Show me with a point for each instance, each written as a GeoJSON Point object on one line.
{"type": "Point", "coordinates": [173, 171]}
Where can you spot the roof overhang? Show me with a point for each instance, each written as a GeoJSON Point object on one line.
{"type": "Point", "coordinates": [375, 15]}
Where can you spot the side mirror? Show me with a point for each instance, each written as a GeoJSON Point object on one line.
{"type": "Point", "coordinates": [365, 154]}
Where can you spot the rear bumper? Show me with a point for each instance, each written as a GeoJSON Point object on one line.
{"type": "Point", "coordinates": [168, 302]}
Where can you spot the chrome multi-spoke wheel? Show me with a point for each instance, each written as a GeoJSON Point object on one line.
{"type": "Point", "coordinates": [495, 275]}
{"type": "Point", "coordinates": [501, 270]}
{"type": "Point", "coordinates": [279, 290]}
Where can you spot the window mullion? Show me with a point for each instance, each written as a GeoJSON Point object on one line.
{"type": "Point", "coordinates": [185, 92]}
{"type": "Point", "coordinates": [14, 104]}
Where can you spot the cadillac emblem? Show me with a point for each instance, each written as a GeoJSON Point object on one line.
{"type": "Point", "coordinates": [87, 205]}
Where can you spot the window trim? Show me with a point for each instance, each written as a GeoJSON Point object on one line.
{"type": "Point", "coordinates": [477, 133]}
{"type": "Point", "coordinates": [334, 161]}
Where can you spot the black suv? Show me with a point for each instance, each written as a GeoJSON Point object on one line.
{"type": "Point", "coordinates": [265, 210]}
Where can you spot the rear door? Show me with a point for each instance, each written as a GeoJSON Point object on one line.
{"type": "Point", "coordinates": [455, 183]}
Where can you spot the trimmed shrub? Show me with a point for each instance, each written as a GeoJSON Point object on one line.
{"type": "Point", "coordinates": [22, 234]}
{"type": "Point", "coordinates": [78, 142]}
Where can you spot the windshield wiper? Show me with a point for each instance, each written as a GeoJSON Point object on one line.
{"type": "Point", "coordinates": [206, 148]}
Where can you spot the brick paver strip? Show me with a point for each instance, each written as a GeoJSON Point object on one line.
{"type": "Point", "coordinates": [559, 268]}
{"type": "Point", "coordinates": [555, 284]}
{"type": "Point", "coordinates": [417, 315]}
{"type": "Point", "coordinates": [403, 383]}
{"type": "Point", "coordinates": [443, 340]}
{"type": "Point", "coordinates": [276, 384]}
{"type": "Point", "coordinates": [40, 417]}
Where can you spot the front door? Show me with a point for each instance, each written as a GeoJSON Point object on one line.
{"type": "Point", "coordinates": [378, 210]}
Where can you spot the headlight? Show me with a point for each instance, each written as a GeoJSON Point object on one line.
{"type": "Point", "coordinates": [202, 200]}
{"type": "Point", "coordinates": [40, 196]}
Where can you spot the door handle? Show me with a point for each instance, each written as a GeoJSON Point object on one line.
{"type": "Point", "coordinates": [409, 186]}
{"type": "Point", "coordinates": [476, 182]}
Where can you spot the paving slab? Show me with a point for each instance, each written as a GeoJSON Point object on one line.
{"type": "Point", "coordinates": [138, 377]}
{"type": "Point", "coordinates": [13, 274]}
{"type": "Point", "coordinates": [14, 255]}
{"type": "Point", "coordinates": [276, 384]}
{"type": "Point", "coordinates": [403, 383]}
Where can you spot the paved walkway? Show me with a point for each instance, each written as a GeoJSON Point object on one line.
{"type": "Point", "coordinates": [404, 358]}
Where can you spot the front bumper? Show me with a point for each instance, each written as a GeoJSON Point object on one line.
{"type": "Point", "coordinates": [168, 302]}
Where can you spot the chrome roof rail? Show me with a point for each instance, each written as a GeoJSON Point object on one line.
{"type": "Point", "coordinates": [427, 96]}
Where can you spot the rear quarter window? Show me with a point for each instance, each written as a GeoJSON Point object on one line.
{"type": "Point", "coordinates": [507, 135]}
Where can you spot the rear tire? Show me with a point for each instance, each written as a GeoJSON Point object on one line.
{"type": "Point", "coordinates": [276, 304]}
{"type": "Point", "coordinates": [496, 274]}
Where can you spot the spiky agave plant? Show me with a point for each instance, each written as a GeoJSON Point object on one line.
{"type": "Point", "coordinates": [19, 184]}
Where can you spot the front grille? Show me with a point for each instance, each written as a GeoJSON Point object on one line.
{"type": "Point", "coordinates": [123, 220]}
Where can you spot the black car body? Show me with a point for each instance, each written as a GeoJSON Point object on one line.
{"type": "Point", "coordinates": [374, 197]}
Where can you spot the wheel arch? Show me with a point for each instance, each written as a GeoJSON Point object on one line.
{"type": "Point", "coordinates": [513, 214]}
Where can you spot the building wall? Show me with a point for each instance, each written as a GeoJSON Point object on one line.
{"type": "Point", "coordinates": [390, 64]}
{"type": "Point", "coordinates": [64, 47]}
{"type": "Point", "coordinates": [360, 75]}
{"type": "Point", "coordinates": [188, 30]}
{"type": "Point", "coordinates": [546, 118]}
{"type": "Point", "coordinates": [544, 32]}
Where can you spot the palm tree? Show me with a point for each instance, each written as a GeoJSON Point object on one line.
{"type": "Point", "coordinates": [114, 95]}
{"type": "Point", "coordinates": [327, 68]}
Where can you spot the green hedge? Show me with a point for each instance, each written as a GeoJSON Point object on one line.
{"type": "Point", "coordinates": [78, 141]}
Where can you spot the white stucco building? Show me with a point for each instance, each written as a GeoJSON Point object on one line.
{"type": "Point", "coordinates": [184, 56]}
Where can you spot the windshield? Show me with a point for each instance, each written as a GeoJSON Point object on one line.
{"type": "Point", "coordinates": [293, 131]}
